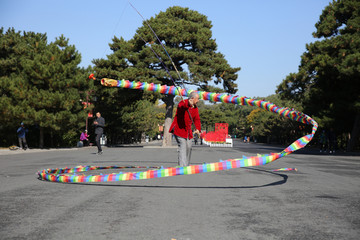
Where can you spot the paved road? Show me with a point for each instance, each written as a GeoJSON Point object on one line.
{"type": "Point", "coordinates": [320, 201]}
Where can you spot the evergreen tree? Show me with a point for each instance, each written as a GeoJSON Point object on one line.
{"type": "Point", "coordinates": [328, 81]}
{"type": "Point", "coordinates": [111, 101]}
{"type": "Point", "coordinates": [140, 118]}
{"type": "Point", "coordinates": [209, 116]}
{"type": "Point", "coordinates": [269, 127]}
{"type": "Point", "coordinates": [40, 85]}
{"type": "Point", "coordinates": [187, 37]}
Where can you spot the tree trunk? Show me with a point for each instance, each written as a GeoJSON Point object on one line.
{"type": "Point", "coordinates": [354, 134]}
{"type": "Point", "coordinates": [41, 142]}
{"type": "Point", "coordinates": [169, 101]}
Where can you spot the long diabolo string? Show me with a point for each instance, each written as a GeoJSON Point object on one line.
{"type": "Point", "coordinates": [161, 60]}
{"type": "Point", "coordinates": [167, 70]}
{"type": "Point", "coordinates": [160, 44]}
{"type": "Point", "coordinates": [158, 57]}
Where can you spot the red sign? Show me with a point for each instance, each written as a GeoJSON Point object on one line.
{"type": "Point", "coordinates": [219, 135]}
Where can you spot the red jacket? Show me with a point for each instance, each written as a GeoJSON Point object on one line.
{"type": "Point", "coordinates": [181, 126]}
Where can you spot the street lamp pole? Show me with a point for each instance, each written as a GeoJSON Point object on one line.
{"type": "Point", "coordinates": [87, 104]}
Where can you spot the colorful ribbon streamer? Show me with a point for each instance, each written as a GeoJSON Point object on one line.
{"type": "Point", "coordinates": [60, 174]}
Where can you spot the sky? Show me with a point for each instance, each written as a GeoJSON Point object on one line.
{"type": "Point", "coordinates": [264, 38]}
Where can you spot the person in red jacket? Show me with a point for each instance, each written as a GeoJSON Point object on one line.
{"type": "Point", "coordinates": [181, 127]}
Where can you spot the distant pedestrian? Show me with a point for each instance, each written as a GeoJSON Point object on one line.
{"type": "Point", "coordinates": [332, 140]}
{"type": "Point", "coordinates": [22, 136]}
{"type": "Point", "coordinates": [84, 138]}
{"type": "Point", "coordinates": [196, 138]}
{"type": "Point", "coordinates": [99, 124]}
{"type": "Point", "coordinates": [323, 141]}
{"type": "Point", "coordinates": [202, 137]}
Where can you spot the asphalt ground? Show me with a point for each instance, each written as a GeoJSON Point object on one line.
{"type": "Point", "coordinates": [319, 201]}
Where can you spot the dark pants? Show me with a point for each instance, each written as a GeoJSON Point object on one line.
{"type": "Point", "coordinates": [86, 143]}
{"type": "Point", "coordinates": [22, 140]}
{"type": "Point", "coordinates": [97, 140]}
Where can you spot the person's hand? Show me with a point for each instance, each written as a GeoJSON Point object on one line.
{"type": "Point", "coordinates": [197, 132]}
{"type": "Point", "coordinates": [95, 122]}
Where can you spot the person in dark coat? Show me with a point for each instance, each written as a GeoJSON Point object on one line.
{"type": "Point", "coordinates": [22, 136]}
{"type": "Point", "coordinates": [99, 124]}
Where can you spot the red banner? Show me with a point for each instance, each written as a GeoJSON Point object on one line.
{"type": "Point", "coordinates": [219, 135]}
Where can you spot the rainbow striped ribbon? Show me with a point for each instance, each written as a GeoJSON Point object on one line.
{"type": "Point", "coordinates": [62, 174]}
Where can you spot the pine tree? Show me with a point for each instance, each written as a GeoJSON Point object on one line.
{"type": "Point", "coordinates": [111, 101]}
{"type": "Point", "coordinates": [44, 88]}
{"type": "Point", "coordinates": [187, 37]}
{"type": "Point", "coordinates": [328, 81]}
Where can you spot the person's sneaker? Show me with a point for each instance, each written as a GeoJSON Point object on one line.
{"type": "Point", "coordinates": [99, 153]}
